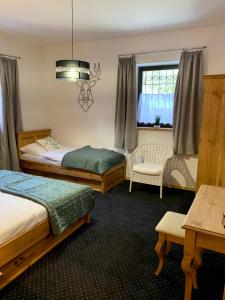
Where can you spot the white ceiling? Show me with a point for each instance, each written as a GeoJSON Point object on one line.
{"type": "Point", "coordinates": [49, 21]}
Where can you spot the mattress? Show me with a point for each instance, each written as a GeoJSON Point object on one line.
{"type": "Point", "coordinates": [40, 159]}
{"type": "Point", "coordinates": [18, 215]}
{"type": "Point", "coordinates": [51, 157]}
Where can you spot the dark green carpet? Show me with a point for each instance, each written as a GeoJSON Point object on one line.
{"type": "Point", "coordinates": [114, 257]}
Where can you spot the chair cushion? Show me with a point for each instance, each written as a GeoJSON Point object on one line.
{"type": "Point", "coordinates": [150, 169]}
{"type": "Point", "coordinates": [171, 224]}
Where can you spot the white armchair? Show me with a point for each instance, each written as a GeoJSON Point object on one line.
{"type": "Point", "coordinates": [147, 164]}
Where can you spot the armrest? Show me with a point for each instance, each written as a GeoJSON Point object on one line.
{"type": "Point", "coordinates": [134, 159]}
{"type": "Point", "coordinates": [164, 165]}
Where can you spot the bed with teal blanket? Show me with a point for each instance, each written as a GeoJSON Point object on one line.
{"type": "Point", "coordinates": [69, 205]}
{"type": "Point", "coordinates": [92, 159]}
{"type": "Point", "coordinates": [65, 202]}
{"type": "Point", "coordinates": [102, 169]}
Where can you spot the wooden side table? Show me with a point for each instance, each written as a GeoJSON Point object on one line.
{"type": "Point", "coordinates": [204, 229]}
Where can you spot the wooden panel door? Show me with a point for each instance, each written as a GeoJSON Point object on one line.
{"type": "Point", "coordinates": [211, 165]}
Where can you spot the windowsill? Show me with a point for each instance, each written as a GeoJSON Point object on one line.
{"type": "Point", "coordinates": [155, 128]}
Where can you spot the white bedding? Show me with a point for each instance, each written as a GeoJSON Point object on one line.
{"type": "Point", "coordinates": [40, 159]}
{"type": "Point", "coordinates": [53, 157]}
{"type": "Point", "coordinates": [57, 155]}
{"type": "Point", "coordinates": [17, 215]}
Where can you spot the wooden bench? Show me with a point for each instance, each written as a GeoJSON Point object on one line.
{"type": "Point", "coordinates": [170, 231]}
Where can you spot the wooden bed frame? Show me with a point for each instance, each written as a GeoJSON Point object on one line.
{"type": "Point", "coordinates": [99, 182]}
{"type": "Point", "coordinates": [23, 251]}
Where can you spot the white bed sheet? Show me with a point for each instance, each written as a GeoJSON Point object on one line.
{"type": "Point", "coordinates": [40, 159]}
{"type": "Point", "coordinates": [57, 155]}
{"type": "Point", "coordinates": [50, 157]}
{"type": "Point", "coordinates": [17, 215]}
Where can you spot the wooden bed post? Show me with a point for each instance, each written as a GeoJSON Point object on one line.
{"type": "Point", "coordinates": [88, 218]}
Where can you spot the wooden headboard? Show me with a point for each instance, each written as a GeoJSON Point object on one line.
{"type": "Point", "coordinates": [24, 138]}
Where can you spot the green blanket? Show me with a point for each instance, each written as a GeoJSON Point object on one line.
{"type": "Point", "coordinates": [91, 159]}
{"type": "Point", "coordinates": [65, 202]}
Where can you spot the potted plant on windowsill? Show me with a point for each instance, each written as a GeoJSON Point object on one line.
{"type": "Point", "coordinates": [157, 122]}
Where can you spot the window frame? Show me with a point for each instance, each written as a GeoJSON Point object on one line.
{"type": "Point", "coordinates": [141, 69]}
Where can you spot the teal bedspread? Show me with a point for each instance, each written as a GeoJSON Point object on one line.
{"type": "Point", "coordinates": [91, 159]}
{"type": "Point", "coordinates": [65, 202]}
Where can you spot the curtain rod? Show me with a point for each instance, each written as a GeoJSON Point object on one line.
{"type": "Point", "coordinates": [7, 55]}
{"type": "Point", "coordinates": [163, 51]}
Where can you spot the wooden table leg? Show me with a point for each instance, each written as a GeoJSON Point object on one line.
{"type": "Point", "coordinates": [196, 264]}
{"type": "Point", "coordinates": [160, 253]}
{"type": "Point", "coordinates": [189, 254]}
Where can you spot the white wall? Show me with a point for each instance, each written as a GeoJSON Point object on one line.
{"type": "Point", "coordinates": [31, 76]}
{"type": "Point", "coordinates": [47, 102]}
{"type": "Point", "coordinates": [96, 127]}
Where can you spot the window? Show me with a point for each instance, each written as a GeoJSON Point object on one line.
{"type": "Point", "coordinates": [156, 86]}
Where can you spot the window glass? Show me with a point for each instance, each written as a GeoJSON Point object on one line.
{"type": "Point", "coordinates": [156, 86]}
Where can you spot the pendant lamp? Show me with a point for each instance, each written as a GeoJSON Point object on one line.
{"type": "Point", "coordinates": [71, 69]}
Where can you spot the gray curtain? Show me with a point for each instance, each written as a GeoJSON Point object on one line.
{"type": "Point", "coordinates": [188, 103]}
{"type": "Point", "coordinates": [10, 113]}
{"type": "Point", "coordinates": [126, 105]}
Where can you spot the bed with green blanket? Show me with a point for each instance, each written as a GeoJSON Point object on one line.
{"type": "Point", "coordinates": [102, 169]}
{"type": "Point", "coordinates": [92, 159]}
{"type": "Point", "coordinates": [68, 206]}
{"type": "Point", "coordinates": [65, 202]}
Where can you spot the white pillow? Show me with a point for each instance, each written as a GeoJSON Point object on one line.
{"type": "Point", "coordinates": [34, 149]}
{"type": "Point", "coordinates": [49, 143]}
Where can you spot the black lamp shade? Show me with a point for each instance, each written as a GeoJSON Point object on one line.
{"type": "Point", "coordinates": [72, 70]}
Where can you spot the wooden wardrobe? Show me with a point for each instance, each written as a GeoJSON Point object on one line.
{"type": "Point", "coordinates": [211, 164]}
